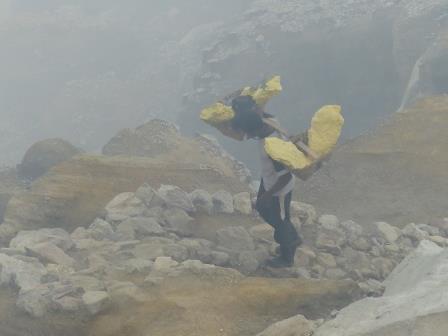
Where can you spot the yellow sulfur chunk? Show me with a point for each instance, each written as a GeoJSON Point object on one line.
{"type": "Point", "coordinates": [325, 130]}
{"type": "Point", "coordinates": [217, 114]}
{"type": "Point", "coordinates": [264, 93]}
{"type": "Point", "coordinates": [286, 153]}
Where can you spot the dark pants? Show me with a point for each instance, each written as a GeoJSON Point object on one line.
{"type": "Point", "coordinates": [285, 234]}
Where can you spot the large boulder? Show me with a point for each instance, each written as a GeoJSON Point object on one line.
{"type": "Point", "coordinates": [74, 193]}
{"type": "Point", "coordinates": [44, 155]}
{"type": "Point", "coordinates": [9, 184]}
{"type": "Point", "coordinates": [412, 303]}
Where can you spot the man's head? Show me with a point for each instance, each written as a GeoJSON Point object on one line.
{"type": "Point", "coordinates": [247, 119]}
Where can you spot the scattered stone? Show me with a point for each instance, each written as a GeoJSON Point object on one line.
{"type": "Point", "coordinates": [96, 302]}
{"type": "Point", "coordinates": [149, 196]}
{"type": "Point", "coordinates": [242, 203]}
{"type": "Point", "coordinates": [179, 221]}
{"type": "Point", "coordinates": [87, 283]}
{"type": "Point", "coordinates": [125, 232]}
{"type": "Point", "coordinates": [49, 253]}
{"type": "Point", "coordinates": [101, 230]}
{"type": "Point", "coordinates": [304, 256]}
{"type": "Point", "coordinates": [439, 240]}
{"type": "Point", "coordinates": [352, 228]}
{"type": "Point", "coordinates": [163, 264]}
{"type": "Point", "coordinates": [35, 301]}
{"type": "Point", "coordinates": [176, 198]}
{"type": "Point", "coordinates": [413, 232]}
{"type": "Point", "coordinates": [220, 258]}
{"type": "Point", "coordinates": [326, 260]}
{"type": "Point", "coordinates": [330, 243]}
{"type": "Point", "coordinates": [262, 232]}
{"type": "Point", "coordinates": [235, 239]}
{"type": "Point", "coordinates": [80, 233]}
{"type": "Point", "coordinates": [202, 201]}
{"type": "Point", "coordinates": [360, 244]}
{"type": "Point", "coordinates": [67, 304]}
{"type": "Point", "coordinates": [372, 288]}
{"type": "Point", "coordinates": [24, 275]}
{"type": "Point", "coordinates": [123, 206]}
{"type": "Point", "coordinates": [141, 266]}
{"type": "Point", "coordinates": [329, 222]}
{"type": "Point", "coordinates": [431, 230]}
{"type": "Point", "coordinates": [176, 251]}
{"type": "Point", "coordinates": [144, 226]}
{"type": "Point", "coordinates": [386, 232]}
{"type": "Point", "coordinates": [247, 262]}
{"type": "Point", "coordinates": [306, 213]}
{"type": "Point", "coordinates": [223, 202]}
{"type": "Point", "coordinates": [58, 237]}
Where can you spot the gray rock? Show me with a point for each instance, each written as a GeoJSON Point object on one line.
{"type": "Point", "coordinates": [67, 304]}
{"type": "Point", "coordinates": [164, 264]}
{"type": "Point", "coordinates": [124, 292]}
{"type": "Point", "coordinates": [413, 232]}
{"type": "Point", "coordinates": [198, 249]}
{"type": "Point", "coordinates": [372, 287]}
{"type": "Point", "coordinates": [96, 302]}
{"type": "Point", "coordinates": [431, 230]}
{"type": "Point", "coordinates": [176, 198]}
{"type": "Point", "coordinates": [242, 203]}
{"type": "Point", "coordinates": [101, 230]}
{"type": "Point", "coordinates": [329, 242]}
{"type": "Point", "coordinates": [223, 202]}
{"type": "Point", "coordinates": [87, 283]}
{"type": "Point", "coordinates": [335, 274]}
{"type": "Point", "coordinates": [176, 251]}
{"type": "Point", "coordinates": [386, 232]}
{"type": "Point", "coordinates": [123, 206]}
{"type": "Point", "coordinates": [24, 275]}
{"type": "Point", "coordinates": [329, 222]}
{"type": "Point", "coordinates": [80, 233]}
{"type": "Point", "coordinates": [360, 244]}
{"type": "Point", "coordinates": [50, 253]}
{"type": "Point", "coordinates": [247, 262]}
{"type": "Point", "coordinates": [326, 260]}
{"type": "Point", "coordinates": [149, 196]}
{"type": "Point", "coordinates": [58, 237]}
{"type": "Point", "coordinates": [220, 258]}
{"type": "Point", "coordinates": [125, 232]}
{"type": "Point", "coordinates": [235, 239]}
{"type": "Point", "coordinates": [141, 266]}
{"type": "Point", "coordinates": [143, 226]}
{"type": "Point", "coordinates": [262, 232]}
{"type": "Point", "coordinates": [304, 256]}
{"type": "Point", "coordinates": [179, 221]}
{"type": "Point", "coordinates": [202, 201]}
{"type": "Point", "coordinates": [352, 228]}
{"type": "Point", "coordinates": [34, 302]}
{"type": "Point", "coordinates": [306, 212]}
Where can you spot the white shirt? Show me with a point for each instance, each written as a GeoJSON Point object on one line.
{"type": "Point", "coordinates": [269, 174]}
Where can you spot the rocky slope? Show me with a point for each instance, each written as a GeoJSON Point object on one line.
{"type": "Point", "coordinates": [397, 173]}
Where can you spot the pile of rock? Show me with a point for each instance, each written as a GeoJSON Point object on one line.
{"type": "Point", "coordinates": [153, 234]}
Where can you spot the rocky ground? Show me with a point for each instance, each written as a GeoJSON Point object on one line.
{"type": "Point", "coordinates": [152, 241]}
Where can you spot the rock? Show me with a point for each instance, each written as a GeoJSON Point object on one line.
{"type": "Point", "coordinates": [34, 302]}
{"type": "Point", "coordinates": [330, 243]}
{"type": "Point", "coordinates": [441, 241]}
{"type": "Point", "coordinates": [144, 227]}
{"type": "Point", "coordinates": [262, 232]}
{"type": "Point", "coordinates": [306, 212]}
{"type": "Point", "coordinates": [176, 198]}
{"type": "Point", "coordinates": [58, 237]}
{"type": "Point", "coordinates": [101, 230]}
{"type": "Point", "coordinates": [124, 293]}
{"type": "Point", "coordinates": [235, 239]}
{"type": "Point", "coordinates": [431, 230]}
{"type": "Point", "coordinates": [96, 302]}
{"type": "Point", "coordinates": [372, 287]}
{"type": "Point", "coordinates": [142, 266]}
{"type": "Point", "coordinates": [411, 304]}
{"type": "Point", "coordinates": [413, 232]}
{"type": "Point", "coordinates": [198, 249]}
{"type": "Point", "coordinates": [44, 155]}
{"type": "Point", "coordinates": [294, 326]}
{"type": "Point", "coordinates": [383, 266]}
{"type": "Point", "coordinates": [360, 244]}
{"type": "Point", "coordinates": [386, 232]}
{"type": "Point", "coordinates": [223, 202]}
{"type": "Point", "coordinates": [179, 221]}
{"type": "Point", "coordinates": [335, 274]}
{"type": "Point", "coordinates": [125, 232]}
{"type": "Point", "coordinates": [202, 201]}
{"type": "Point", "coordinates": [220, 258]}
{"type": "Point", "coordinates": [50, 253]}
{"type": "Point", "coordinates": [164, 264]}
{"type": "Point", "coordinates": [176, 251]}
{"type": "Point", "coordinates": [67, 304]}
{"type": "Point", "coordinates": [87, 283]}
{"type": "Point", "coordinates": [80, 233]}
{"type": "Point", "coordinates": [247, 262]}
{"type": "Point", "coordinates": [352, 228]}
{"type": "Point", "coordinates": [355, 259]}
{"type": "Point", "coordinates": [242, 203]}
{"type": "Point", "coordinates": [24, 275]}
{"type": "Point", "coordinates": [304, 256]}
{"type": "Point", "coordinates": [326, 260]}
{"type": "Point", "coordinates": [149, 196]}
{"type": "Point", "coordinates": [123, 206]}
{"type": "Point", "coordinates": [329, 222]}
